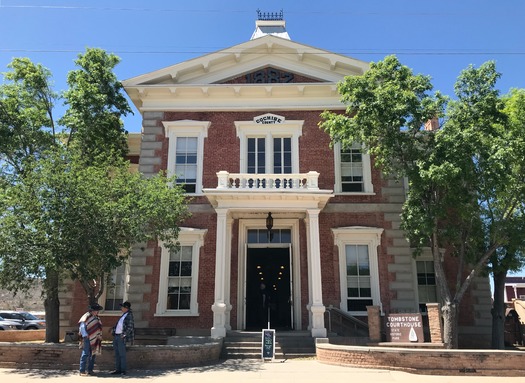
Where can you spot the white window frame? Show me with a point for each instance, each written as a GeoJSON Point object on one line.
{"type": "Point", "coordinates": [186, 128]}
{"type": "Point", "coordinates": [368, 187]}
{"type": "Point", "coordinates": [358, 235]}
{"type": "Point", "coordinates": [187, 237]}
{"type": "Point", "coordinates": [425, 256]}
{"type": "Point", "coordinates": [251, 129]}
{"type": "Point", "coordinates": [103, 297]}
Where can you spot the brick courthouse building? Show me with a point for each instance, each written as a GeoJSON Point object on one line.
{"type": "Point", "coordinates": [239, 127]}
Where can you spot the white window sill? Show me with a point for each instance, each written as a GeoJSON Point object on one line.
{"type": "Point", "coordinates": [110, 313]}
{"type": "Point", "coordinates": [182, 313]}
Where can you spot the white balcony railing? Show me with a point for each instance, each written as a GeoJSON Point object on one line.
{"type": "Point", "coordinates": [267, 182]}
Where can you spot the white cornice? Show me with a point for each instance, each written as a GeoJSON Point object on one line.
{"type": "Point", "coordinates": [233, 97]}
{"type": "Point", "coordinates": [264, 200]}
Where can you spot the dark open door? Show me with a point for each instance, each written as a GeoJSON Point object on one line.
{"type": "Point", "coordinates": [271, 267]}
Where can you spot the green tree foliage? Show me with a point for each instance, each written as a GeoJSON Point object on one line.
{"type": "Point", "coordinates": [70, 207]}
{"type": "Point", "coordinates": [460, 196]}
{"type": "Point", "coordinates": [26, 114]}
{"type": "Point", "coordinates": [96, 104]}
{"type": "Point", "coordinates": [509, 211]}
{"type": "Point", "coordinates": [82, 220]}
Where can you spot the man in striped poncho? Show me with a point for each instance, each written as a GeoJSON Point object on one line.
{"type": "Point", "coordinates": [90, 328]}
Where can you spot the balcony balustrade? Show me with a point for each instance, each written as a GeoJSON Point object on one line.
{"type": "Point", "coordinates": [297, 182]}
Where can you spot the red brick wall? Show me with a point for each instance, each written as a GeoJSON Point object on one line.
{"type": "Point", "coordinates": [206, 280]}
{"type": "Point", "coordinates": [222, 152]}
{"type": "Point", "coordinates": [66, 356]}
{"type": "Point", "coordinates": [303, 260]}
{"type": "Point", "coordinates": [511, 295]}
{"type": "Point", "coordinates": [22, 336]}
{"type": "Point", "coordinates": [222, 146]}
{"type": "Point", "coordinates": [436, 362]}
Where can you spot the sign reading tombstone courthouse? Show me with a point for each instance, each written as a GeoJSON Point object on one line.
{"type": "Point", "coordinates": [404, 328]}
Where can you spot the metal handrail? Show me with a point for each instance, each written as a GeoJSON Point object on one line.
{"type": "Point", "coordinates": [357, 324]}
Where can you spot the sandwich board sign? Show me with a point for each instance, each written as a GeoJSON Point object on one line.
{"type": "Point", "coordinates": [268, 344]}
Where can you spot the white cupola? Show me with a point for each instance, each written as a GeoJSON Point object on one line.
{"type": "Point", "coordinates": [270, 24]}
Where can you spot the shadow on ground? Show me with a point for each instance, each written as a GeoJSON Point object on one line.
{"type": "Point", "coordinates": [231, 365]}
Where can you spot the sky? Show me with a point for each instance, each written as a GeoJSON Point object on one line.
{"type": "Point", "coordinates": [435, 38]}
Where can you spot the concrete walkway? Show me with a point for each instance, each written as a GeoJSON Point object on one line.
{"type": "Point", "coordinates": [242, 371]}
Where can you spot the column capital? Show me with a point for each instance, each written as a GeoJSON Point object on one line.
{"type": "Point", "coordinates": [312, 214]}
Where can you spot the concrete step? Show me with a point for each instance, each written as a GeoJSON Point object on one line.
{"type": "Point", "coordinates": [288, 345]}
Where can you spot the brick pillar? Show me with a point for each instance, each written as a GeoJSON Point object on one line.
{"type": "Point", "coordinates": [374, 323]}
{"type": "Point", "coordinates": [434, 323]}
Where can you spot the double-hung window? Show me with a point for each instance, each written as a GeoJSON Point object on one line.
{"type": "Point", "coordinates": [352, 170]}
{"type": "Point", "coordinates": [358, 265]}
{"type": "Point", "coordinates": [269, 148]}
{"type": "Point", "coordinates": [282, 155]}
{"type": "Point", "coordinates": [426, 284]}
{"type": "Point", "coordinates": [186, 152]}
{"type": "Point", "coordinates": [115, 292]}
{"type": "Point", "coordinates": [186, 163]}
{"type": "Point", "coordinates": [427, 291]}
{"type": "Point", "coordinates": [358, 280]}
{"type": "Point", "coordinates": [256, 155]}
{"type": "Point", "coordinates": [179, 274]}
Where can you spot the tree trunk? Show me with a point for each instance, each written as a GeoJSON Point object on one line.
{"type": "Point", "coordinates": [498, 311]}
{"type": "Point", "coordinates": [449, 310]}
{"type": "Point", "coordinates": [52, 306]}
{"type": "Point", "coordinates": [90, 290]}
{"type": "Point", "coordinates": [450, 324]}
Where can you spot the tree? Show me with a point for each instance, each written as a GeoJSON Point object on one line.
{"type": "Point", "coordinates": [451, 170]}
{"type": "Point", "coordinates": [67, 220]}
{"type": "Point", "coordinates": [27, 129]}
{"type": "Point", "coordinates": [70, 206]}
{"type": "Point", "coordinates": [510, 257]}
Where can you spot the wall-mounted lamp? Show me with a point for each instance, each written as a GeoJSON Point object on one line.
{"type": "Point", "coordinates": [269, 222]}
{"type": "Point", "coordinates": [269, 225]}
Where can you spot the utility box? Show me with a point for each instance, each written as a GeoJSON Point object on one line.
{"type": "Point", "coordinates": [71, 337]}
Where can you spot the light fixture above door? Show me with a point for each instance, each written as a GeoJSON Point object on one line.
{"type": "Point", "coordinates": [269, 226]}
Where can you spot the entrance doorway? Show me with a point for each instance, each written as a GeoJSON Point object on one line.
{"type": "Point", "coordinates": [268, 289]}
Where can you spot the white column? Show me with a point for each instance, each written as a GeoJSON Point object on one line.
{"type": "Point", "coordinates": [227, 272]}
{"type": "Point", "coordinates": [220, 306]}
{"type": "Point", "coordinates": [316, 308]}
{"type": "Point", "coordinates": [309, 268]}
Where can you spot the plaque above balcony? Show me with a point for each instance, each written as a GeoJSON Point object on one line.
{"type": "Point", "coordinates": [269, 118]}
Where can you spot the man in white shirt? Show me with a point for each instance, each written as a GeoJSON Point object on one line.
{"type": "Point", "coordinates": [123, 332]}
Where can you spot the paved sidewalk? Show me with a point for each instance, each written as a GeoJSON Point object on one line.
{"type": "Point", "coordinates": [242, 371]}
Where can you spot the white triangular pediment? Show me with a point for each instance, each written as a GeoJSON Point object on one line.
{"type": "Point", "coordinates": [267, 51]}
{"type": "Point", "coordinates": [307, 79]}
